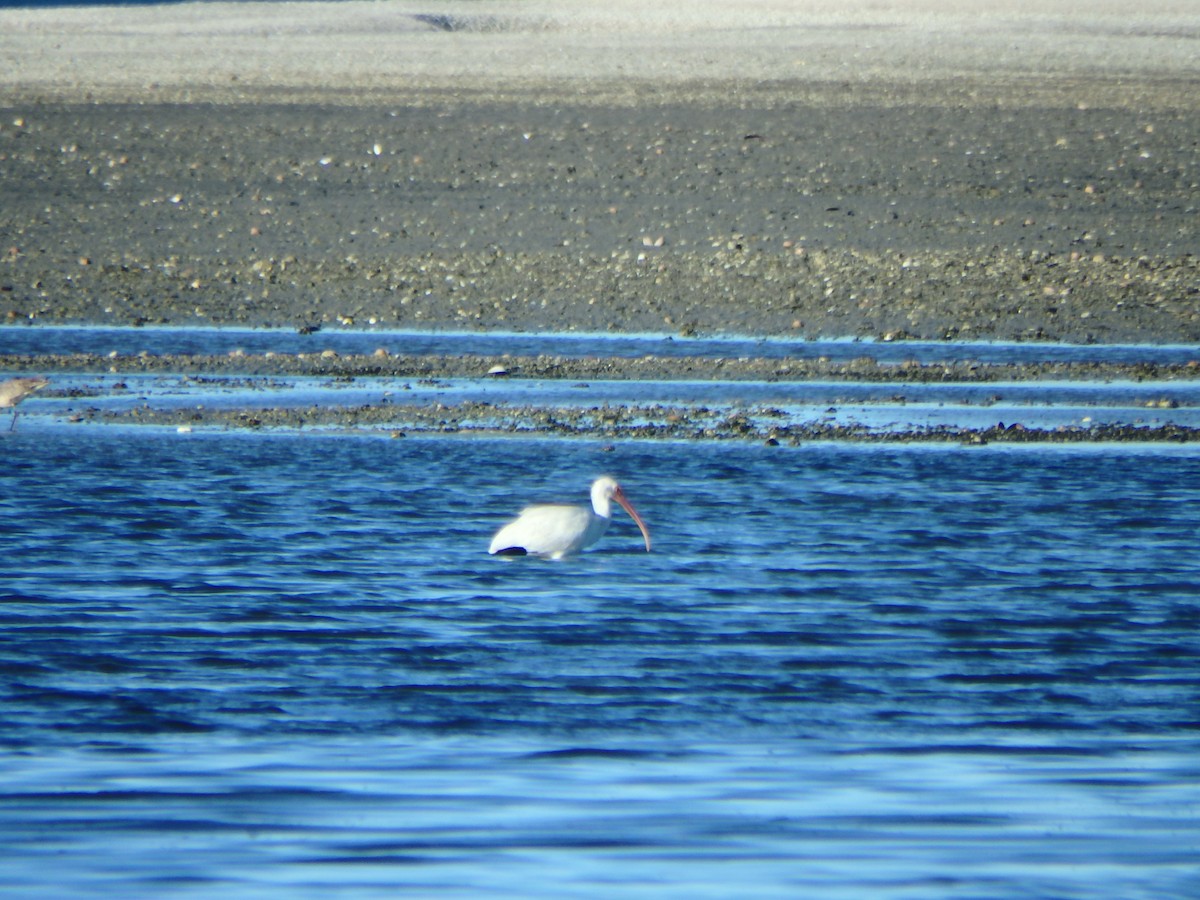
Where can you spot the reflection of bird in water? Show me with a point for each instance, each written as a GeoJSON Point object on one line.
{"type": "Point", "coordinates": [15, 390]}
{"type": "Point", "coordinates": [556, 530]}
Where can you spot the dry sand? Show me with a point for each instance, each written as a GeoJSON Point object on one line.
{"type": "Point", "coordinates": [195, 51]}
{"type": "Point", "coordinates": [813, 169]}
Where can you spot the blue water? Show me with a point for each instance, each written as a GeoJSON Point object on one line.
{"type": "Point", "coordinates": [163, 340]}
{"type": "Point", "coordinates": [267, 665]}
{"type": "Point", "coordinates": [880, 406]}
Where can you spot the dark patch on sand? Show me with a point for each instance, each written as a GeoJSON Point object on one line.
{"type": "Point", "coordinates": [927, 218]}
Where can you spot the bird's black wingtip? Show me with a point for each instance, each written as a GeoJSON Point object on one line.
{"type": "Point", "coordinates": [511, 551]}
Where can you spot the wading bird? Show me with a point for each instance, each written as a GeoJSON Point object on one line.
{"type": "Point", "coordinates": [15, 390]}
{"type": "Point", "coordinates": [555, 530]}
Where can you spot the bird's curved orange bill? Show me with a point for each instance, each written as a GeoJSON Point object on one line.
{"type": "Point", "coordinates": [619, 496]}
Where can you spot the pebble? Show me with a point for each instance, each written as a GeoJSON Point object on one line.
{"type": "Point", "coordinates": [559, 253]}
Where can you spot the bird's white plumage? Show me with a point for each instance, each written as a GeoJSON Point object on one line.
{"type": "Point", "coordinates": [555, 530]}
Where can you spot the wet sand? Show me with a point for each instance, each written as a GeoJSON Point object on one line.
{"type": "Point", "coordinates": [929, 222]}
{"type": "Point", "coordinates": [614, 423]}
{"type": "Point", "coordinates": [255, 375]}
{"type": "Point", "coordinates": [382, 364]}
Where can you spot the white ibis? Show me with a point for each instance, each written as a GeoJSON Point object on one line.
{"type": "Point", "coordinates": [15, 390]}
{"type": "Point", "coordinates": [555, 530]}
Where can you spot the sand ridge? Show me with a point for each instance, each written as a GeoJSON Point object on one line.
{"type": "Point", "coordinates": [229, 51]}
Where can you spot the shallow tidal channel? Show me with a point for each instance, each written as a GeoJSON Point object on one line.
{"type": "Point", "coordinates": [606, 386]}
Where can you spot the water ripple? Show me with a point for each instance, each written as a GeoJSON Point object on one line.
{"type": "Point", "coordinates": [276, 663]}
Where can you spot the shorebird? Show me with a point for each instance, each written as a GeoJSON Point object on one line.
{"type": "Point", "coordinates": [15, 390]}
{"type": "Point", "coordinates": [555, 530]}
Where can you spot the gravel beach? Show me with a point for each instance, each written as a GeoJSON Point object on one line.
{"type": "Point", "coordinates": [796, 169]}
